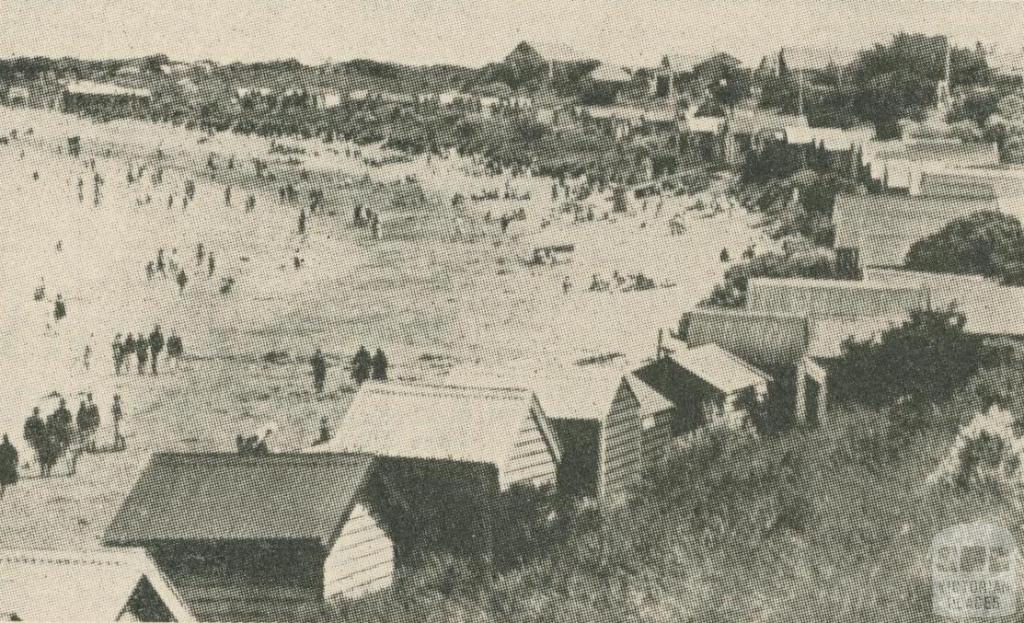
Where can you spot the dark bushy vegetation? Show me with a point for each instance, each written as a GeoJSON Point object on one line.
{"type": "Point", "coordinates": [927, 358]}
{"type": "Point", "coordinates": [732, 292]}
{"type": "Point", "coordinates": [984, 243]}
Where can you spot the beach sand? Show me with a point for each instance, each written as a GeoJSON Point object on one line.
{"type": "Point", "coordinates": [430, 297]}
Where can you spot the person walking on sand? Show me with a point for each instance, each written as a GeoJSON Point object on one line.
{"type": "Point", "coordinates": [86, 356]}
{"type": "Point", "coordinates": [8, 465]}
{"type": "Point", "coordinates": [82, 422]}
{"type": "Point", "coordinates": [141, 353]}
{"type": "Point", "coordinates": [156, 345]}
{"type": "Point", "coordinates": [175, 349]}
{"type": "Point", "coordinates": [117, 413]}
{"type": "Point", "coordinates": [60, 310]}
{"type": "Point", "coordinates": [199, 254]}
{"type": "Point", "coordinates": [319, 365]}
{"type": "Point", "coordinates": [182, 281]}
{"type": "Point", "coordinates": [118, 351]}
{"type": "Point", "coordinates": [210, 264]}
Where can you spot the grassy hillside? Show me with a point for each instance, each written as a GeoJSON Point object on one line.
{"type": "Point", "coordinates": [832, 524]}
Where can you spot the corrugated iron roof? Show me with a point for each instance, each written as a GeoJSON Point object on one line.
{"type": "Point", "coordinates": [437, 421]}
{"type": "Point", "coordinates": [991, 309]}
{"type": "Point", "coordinates": [883, 227]}
{"type": "Point", "coordinates": [234, 497]}
{"type": "Point", "coordinates": [764, 340]}
{"type": "Point", "coordinates": [79, 586]}
{"type": "Point", "coordinates": [832, 297]}
{"type": "Point", "coordinates": [719, 368]}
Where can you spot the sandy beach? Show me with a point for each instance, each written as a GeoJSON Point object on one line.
{"type": "Point", "coordinates": [442, 288]}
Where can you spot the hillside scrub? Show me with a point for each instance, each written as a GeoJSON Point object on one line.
{"type": "Point", "coordinates": [985, 243]}
{"type": "Point", "coordinates": [826, 524]}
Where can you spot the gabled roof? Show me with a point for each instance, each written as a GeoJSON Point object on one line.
{"type": "Point", "coordinates": [577, 394]}
{"type": "Point", "coordinates": [650, 400]}
{"type": "Point", "coordinates": [230, 497]}
{"type": "Point", "coordinates": [720, 368]}
{"type": "Point", "coordinates": [80, 586]}
{"type": "Point", "coordinates": [437, 421]}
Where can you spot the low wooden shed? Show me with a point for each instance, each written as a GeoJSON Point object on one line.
{"type": "Point", "coordinates": [253, 538]}
{"type": "Point", "coordinates": [502, 426]}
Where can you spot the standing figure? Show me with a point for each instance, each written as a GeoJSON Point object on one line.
{"type": "Point", "coordinates": [117, 414]}
{"type": "Point", "coordinates": [319, 371]}
{"type": "Point", "coordinates": [210, 264]}
{"type": "Point", "coordinates": [379, 365]}
{"type": "Point", "coordinates": [8, 465]}
{"type": "Point", "coordinates": [361, 364]}
{"type": "Point", "coordinates": [60, 310]}
{"type": "Point", "coordinates": [182, 280]}
{"type": "Point", "coordinates": [141, 352]}
{"type": "Point", "coordinates": [175, 349]}
{"type": "Point", "coordinates": [156, 344]}
{"type": "Point", "coordinates": [118, 349]}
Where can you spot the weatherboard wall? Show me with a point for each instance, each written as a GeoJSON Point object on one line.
{"type": "Point", "coordinates": [361, 561]}
{"type": "Point", "coordinates": [621, 451]}
{"type": "Point", "coordinates": [534, 458]}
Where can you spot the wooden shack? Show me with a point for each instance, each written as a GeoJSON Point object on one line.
{"type": "Point", "coordinates": [118, 585]}
{"type": "Point", "coordinates": [598, 419]}
{"type": "Point", "coordinates": [253, 538]}
{"type": "Point", "coordinates": [502, 426]}
{"type": "Point", "coordinates": [777, 344]}
{"type": "Point", "coordinates": [707, 386]}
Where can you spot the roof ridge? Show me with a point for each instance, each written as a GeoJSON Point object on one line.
{"type": "Point", "coordinates": [390, 387]}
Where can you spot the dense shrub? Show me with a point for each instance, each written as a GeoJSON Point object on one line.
{"type": "Point", "coordinates": [929, 357]}
{"type": "Point", "coordinates": [985, 243]}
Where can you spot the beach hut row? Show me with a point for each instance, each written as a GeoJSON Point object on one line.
{"type": "Point", "coordinates": [411, 467]}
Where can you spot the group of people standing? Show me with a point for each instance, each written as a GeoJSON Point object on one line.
{"type": "Point", "coordinates": [146, 349]}
{"type": "Point", "coordinates": [364, 367]}
{"type": "Point", "coordinates": [58, 434]}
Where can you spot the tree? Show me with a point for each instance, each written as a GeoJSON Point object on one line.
{"type": "Point", "coordinates": [731, 88]}
{"type": "Point", "coordinates": [927, 358]}
{"type": "Point", "coordinates": [985, 243]}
